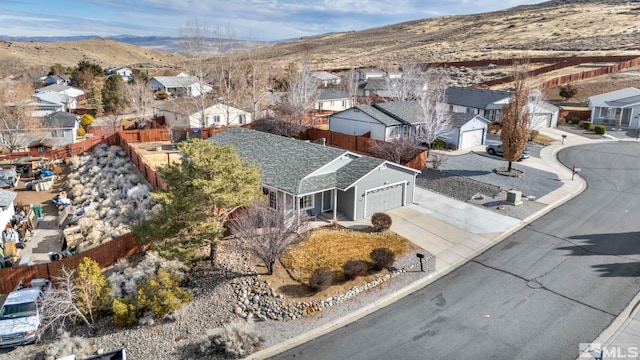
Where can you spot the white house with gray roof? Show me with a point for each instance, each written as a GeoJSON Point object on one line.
{"type": "Point", "coordinates": [308, 177]}
{"type": "Point", "coordinates": [384, 121]}
{"type": "Point", "coordinates": [333, 99]}
{"type": "Point", "coordinates": [467, 130]}
{"type": "Point", "coordinates": [180, 85]}
{"type": "Point", "coordinates": [620, 108]}
{"type": "Point", "coordinates": [185, 112]}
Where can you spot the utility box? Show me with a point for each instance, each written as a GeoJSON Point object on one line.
{"type": "Point", "coordinates": [514, 197]}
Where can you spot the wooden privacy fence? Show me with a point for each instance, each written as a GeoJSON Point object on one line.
{"type": "Point", "coordinates": [105, 255]}
{"type": "Point", "coordinates": [361, 144]}
{"type": "Point", "coordinates": [66, 151]}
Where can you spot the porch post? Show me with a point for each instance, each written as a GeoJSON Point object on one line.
{"type": "Point", "coordinates": [297, 207]}
{"type": "Point", "coordinates": [335, 203]}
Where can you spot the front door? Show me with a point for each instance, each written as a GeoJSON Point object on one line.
{"type": "Point", "coordinates": [327, 199]}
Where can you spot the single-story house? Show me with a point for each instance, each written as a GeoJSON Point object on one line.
{"type": "Point", "coordinates": [333, 99]}
{"type": "Point", "coordinates": [384, 121]}
{"type": "Point", "coordinates": [61, 128]}
{"type": "Point", "coordinates": [179, 85]}
{"type": "Point", "coordinates": [467, 130]}
{"type": "Point", "coordinates": [619, 108]}
{"type": "Point", "coordinates": [316, 179]}
{"type": "Point", "coordinates": [68, 95]}
{"type": "Point", "coordinates": [186, 112]}
{"type": "Point", "coordinates": [363, 74]}
{"type": "Point", "coordinates": [325, 78]}
{"type": "Point", "coordinates": [124, 72]}
{"type": "Point", "coordinates": [373, 87]}
{"type": "Point", "coordinates": [48, 102]}
{"type": "Point", "coordinates": [489, 104]}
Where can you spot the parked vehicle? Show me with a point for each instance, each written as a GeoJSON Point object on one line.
{"type": "Point", "coordinates": [497, 150]}
{"type": "Point", "coordinates": [20, 315]}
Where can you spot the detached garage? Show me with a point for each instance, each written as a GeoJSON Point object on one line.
{"type": "Point", "coordinates": [468, 130]}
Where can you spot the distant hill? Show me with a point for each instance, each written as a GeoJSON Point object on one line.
{"type": "Point", "coordinates": [553, 28]}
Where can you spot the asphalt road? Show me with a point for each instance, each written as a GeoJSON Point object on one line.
{"type": "Point", "coordinates": [536, 295]}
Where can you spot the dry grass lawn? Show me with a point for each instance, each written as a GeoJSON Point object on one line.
{"type": "Point", "coordinates": [333, 248]}
{"type": "Point", "coordinates": [543, 139]}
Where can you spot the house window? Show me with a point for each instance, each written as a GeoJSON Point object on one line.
{"type": "Point", "coordinates": [306, 202]}
{"type": "Point", "coordinates": [320, 105]}
{"type": "Point", "coordinates": [216, 119]}
{"type": "Point", "coordinates": [394, 132]}
{"type": "Point", "coordinates": [57, 133]}
{"type": "Point", "coordinates": [241, 119]}
{"type": "Point", "coordinates": [273, 197]}
{"type": "Point", "coordinates": [344, 104]}
{"type": "Point", "coordinates": [611, 113]}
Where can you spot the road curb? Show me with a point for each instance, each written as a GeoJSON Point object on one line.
{"type": "Point", "coordinates": [418, 284]}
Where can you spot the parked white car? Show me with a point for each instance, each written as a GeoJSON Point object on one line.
{"type": "Point", "coordinates": [497, 150]}
{"type": "Point", "coordinates": [20, 315]}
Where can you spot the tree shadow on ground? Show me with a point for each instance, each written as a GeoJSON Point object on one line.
{"type": "Point", "coordinates": [631, 269]}
{"type": "Point", "coordinates": [618, 244]}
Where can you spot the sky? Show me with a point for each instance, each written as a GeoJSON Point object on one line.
{"type": "Point", "coordinates": [264, 20]}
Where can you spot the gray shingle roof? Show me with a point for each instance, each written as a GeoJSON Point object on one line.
{"type": "Point", "coordinates": [373, 84]}
{"type": "Point", "coordinates": [176, 81]}
{"type": "Point", "coordinates": [332, 93]}
{"type": "Point", "coordinates": [378, 115]}
{"type": "Point", "coordinates": [460, 119]}
{"type": "Point", "coordinates": [54, 87]}
{"type": "Point", "coordinates": [474, 98]}
{"type": "Point", "coordinates": [404, 111]}
{"type": "Point", "coordinates": [286, 163]}
{"type": "Point", "coordinates": [186, 105]}
{"type": "Point", "coordinates": [614, 98]}
{"type": "Point", "coordinates": [6, 198]}
{"type": "Point", "coordinates": [324, 76]}
{"type": "Point", "coordinates": [61, 119]}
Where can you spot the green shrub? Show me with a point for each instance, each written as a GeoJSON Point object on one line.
{"type": "Point", "coordinates": [438, 144]}
{"type": "Point", "coordinates": [600, 129]}
{"type": "Point", "coordinates": [125, 312]}
{"type": "Point", "coordinates": [574, 121]}
{"type": "Point", "coordinates": [586, 125]}
{"type": "Point", "coordinates": [354, 268]}
{"type": "Point", "coordinates": [380, 222]}
{"type": "Point", "coordinates": [161, 294]}
{"type": "Point", "coordinates": [382, 258]}
{"type": "Point", "coordinates": [93, 291]}
{"type": "Point", "coordinates": [320, 279]}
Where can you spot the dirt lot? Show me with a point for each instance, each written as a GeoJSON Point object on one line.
{"type": "Point", "coordinates": [157, 154]}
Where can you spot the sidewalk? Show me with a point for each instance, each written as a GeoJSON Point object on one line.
{"type": "Point", "coordinates": [442, 226]}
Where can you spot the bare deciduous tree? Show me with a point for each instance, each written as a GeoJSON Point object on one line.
{"type": "Point", "coordinates": [140, 99]}
{"type": "Point", "coordinates": [433, 112]}
{"type": "Point", "coordinates": [515, 116]}
{"type": "Point", "coordinates": [58, 304]}
{"type": "Point", "coordinates": [409, 85]}
{"type": "Point", "coordinates": [268, 232]}
{"type": "Point", "coordinates": [114, 121]}
{"type": "Point", "coordinates": [256, 83]}
{"type": "Point", "coordinates": [17, 125]}
{"type": "Point", "coordinates": [399, 150]}
{"type": "Point", "coordinates": [302, 91]}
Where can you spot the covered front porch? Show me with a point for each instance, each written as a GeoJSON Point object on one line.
{"type": "Point", "coordinates": [316, 205]}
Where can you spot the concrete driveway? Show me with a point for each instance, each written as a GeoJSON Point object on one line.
{"type": "Point", "coordinates": [449, 229]}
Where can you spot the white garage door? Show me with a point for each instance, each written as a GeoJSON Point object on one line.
{"type": "Point", "coordinates": [540, 121]}
{"type": "Point", "coordinates": [471, 138]}
{"type": "Point", "coordinates": [383, 199]}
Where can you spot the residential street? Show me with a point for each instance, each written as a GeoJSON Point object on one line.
{"type": "Point", "coordinates": [554, 284]}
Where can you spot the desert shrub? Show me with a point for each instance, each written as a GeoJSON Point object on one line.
{"type": "Point", "coordinates": [81, 132]}
{"type": "Point", "coordinates": [93, 293]}
{"type": "Point", "coordinates": [161, 293]}
{"type": "Point", "coordinates": [380, 222]}
{"type": "Point", "coordinates": [533, 133]}
{"type": "Point", "coordinates": [600, 129]}
{"type": "Point", "coordinates": [279, 127]}
{"type": "Point", "coordinates": [568, 91]}
{"type": "Point", "coordinates": [494, 127]}
{"type": "Point", "coordinates": [382, 258]}
{"type": "Point", "coordinates": [320, 279]}
{"type": "Point", "coordinates": [161, 95]}
{"type": "Point", "coordinates": [438, 144]}
{"type": "Point", "coordinates": [125, 312]}
{"type": "Point", "coordinates": [236, 340]}
{"type": "Point", "coordinates": [574, 121]}
{"type": "Point", "coordinates": [586, 125]}
{"type": "Point", "coordinates": [67, 345]}
{"type": "Point", "coordinates": [354, 268]}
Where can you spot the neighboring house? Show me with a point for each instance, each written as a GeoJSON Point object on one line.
{"type": "Point", "coordinates": [307, 177]}
{"type": "Point", "coordinates": [61, 128]}
{"type": "Point", "coordinates": [68, 95]}
{"type": "Point", "coordinates": [124, 72]}
{"type": "Point", "coordinates": [489, 104]}
{"type": "Point", "coordinates": [620, 108]}
{"type": "Point", "coordinates": [6, 207]}
{"type": "Point", "coordinates": [47, 103]}
{"type": "Point", "coordinates": [185, 112]}
{"type": "Point", "coordinates": [333, 99]}
{"type": "Point", "coordinates": [370, 73]}
{"type": "Point", "coordinates": [57, 79]}
{"type": "Point", "coordinates": [326, 78]}
{"type": "Point", "coordinates": [467, 130]}
{"type": "Point", "coordinates": [179, 85]}
{"type": "Point", "coordinates": [384, 121]}
{"type": "Point", "coordinates": [373, 87]}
